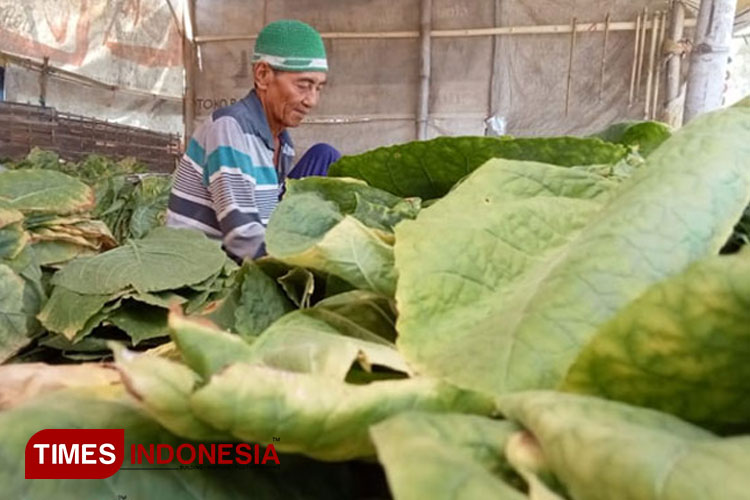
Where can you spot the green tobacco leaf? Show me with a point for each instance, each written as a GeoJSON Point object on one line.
{"type": "Point", "coordinates": [373, 207]}
{"type": "Point", "coordinates": [9, 215]}
{"type": "Point", "coordinates": [297, 342]}
{"type": "Point", "coordinates": [531, 272]}
{"type": "Point", "coordinates": [97, 319]}
{"type": "Point", "coordinates": [509, 221]}
{"type": "Point", "coordinates": [52, 253]}
{"type": "Point", "coordinates": [205, 348]}
{"type": "Point", "coordinates": [445, 457]}
{"type": "Point", "coordinates": [606, 450]}
{"type": "Point", "coordinates": [13, 238]}
{"type": "Point", "coordinates": [323, 285]}
{"type": "Point", "coordinates": [385, 218]}
{"type": "Point", "coordinates": [525, 455]}
{"type": "Point", "coordinates": [261, 302]}
{"type": "Point", "coordinates": [67, 312]}
{"type": "Point", "coordinates": [86, 345]}
{"type": "Point", "coordinates": [429, 169]}
{"type": "Point", "coordinates": [250, 302]}
{"type": "Point", "coordinates": [679, 347]}
{"type": "Point", "coordinates": [39, 158]}
{"type": "Point", "coordinates": [299, 285]}
{"type": "Point", "coordinates": [308, 231]}
{"type": "Point", "coordinates": [164, 299]}
{"type": "Point", "coordinates": [141, 322]}
{"type": "Point", "coordinates": [163, 388]}
{"type": "Point", "coordinates": [294, 479]}
{"type": "Point", "coordinates": [151, 197]}
{"type": "Point", "coordinates": [34, 295]}
{"type": "Point", "coordinates": [165, 259]}
{"type": "Point", "coordinates": [22, 382]}
{"type": "Point", "coordinates": [315, 415]}
{"type": "Point", "coordinates": [645, 137]}
{"type": "Point", "coordinates": [359, 314]}
{"type": "Point", "coordinates": [343, 192]}
{"type": "Point", "coordinates": [300, 342]}
{"type": "Point", "coordinates": [39, 220]}
{"type": "Point", "coordinates": [13, 317]}
{"type": "Point", "coordinates": [45, 191]}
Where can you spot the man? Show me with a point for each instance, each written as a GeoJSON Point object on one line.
{"type": "Point", "coordinates": [233, 171]}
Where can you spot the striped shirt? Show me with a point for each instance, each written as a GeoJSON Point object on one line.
{"type": "Point", "coordinates": [226, 184]}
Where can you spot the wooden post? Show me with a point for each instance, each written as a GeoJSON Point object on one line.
{"type": "Point", "coordinates": [188, 55]}
{"type": "Point", "coordinates": [708, 61]}
{"type": "Point", "coordinates": [425, 28]}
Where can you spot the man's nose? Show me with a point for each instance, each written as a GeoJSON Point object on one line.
{"type": "Point", "coordinates": [311, 98]}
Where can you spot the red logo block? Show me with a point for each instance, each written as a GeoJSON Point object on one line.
{"type": "Point", "coordinates": [75, 453]}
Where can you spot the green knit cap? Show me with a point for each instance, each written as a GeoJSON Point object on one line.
{"type": "Point", "coordinates": [291, 45]}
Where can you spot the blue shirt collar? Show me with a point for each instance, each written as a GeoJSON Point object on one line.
{"type": "Point", "coordinates": [252, 101]}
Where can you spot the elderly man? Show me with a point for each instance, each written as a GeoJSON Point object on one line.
{"type": "Point", "coordinates": [233, 171]}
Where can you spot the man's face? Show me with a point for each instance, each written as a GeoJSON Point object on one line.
{"type": "Point", "coordinates": [290, 96]}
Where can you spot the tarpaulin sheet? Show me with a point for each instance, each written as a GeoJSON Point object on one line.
{"type": "Point", "coordinates": [133, 44]}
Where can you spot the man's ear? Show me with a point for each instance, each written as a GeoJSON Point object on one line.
{"type": "Point", "coordinates": [262, 75]}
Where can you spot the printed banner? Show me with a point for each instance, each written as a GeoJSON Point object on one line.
{"type": "Point", "coordinates": [130, 43]}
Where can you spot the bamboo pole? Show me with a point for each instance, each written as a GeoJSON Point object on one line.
{"type": "Point", "coordinates": [573, 34]}
{"type": "Point", "coordinates": [604, 56]}
{"type": "Point", "coordinates": [423, 108]}
{"type": "Point", "coordinates": [189, 55]}
{"type": "Point", "coordinates": [494, 64]}
{"type": "Point", "coordinates": [659, 64]}
{"type": "Point", "coordinates": [641, 54]}
{"type": "Point", "coordinates": [499, 31]}
{"type": "Point", "coordinates": [708, 61]}
{"type": "Point", "coordinates": [651, 63]}
{"type": "Point", "coordinates": [69, 76]}
{"type": "Point", "coordinates": [175, 18]}
{"type": "Point", "coordinates": [636, 51]}
{"type": "Point", "coordinates": [43, 77]}
{"type": "Point", "coordinates": [674, 62]}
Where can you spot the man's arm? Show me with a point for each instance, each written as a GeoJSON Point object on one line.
{"type": "Point", "coordinates": [228, 168]}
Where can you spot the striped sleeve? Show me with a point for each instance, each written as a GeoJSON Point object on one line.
{"type": "Point", "coordinates": [228, 174]}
